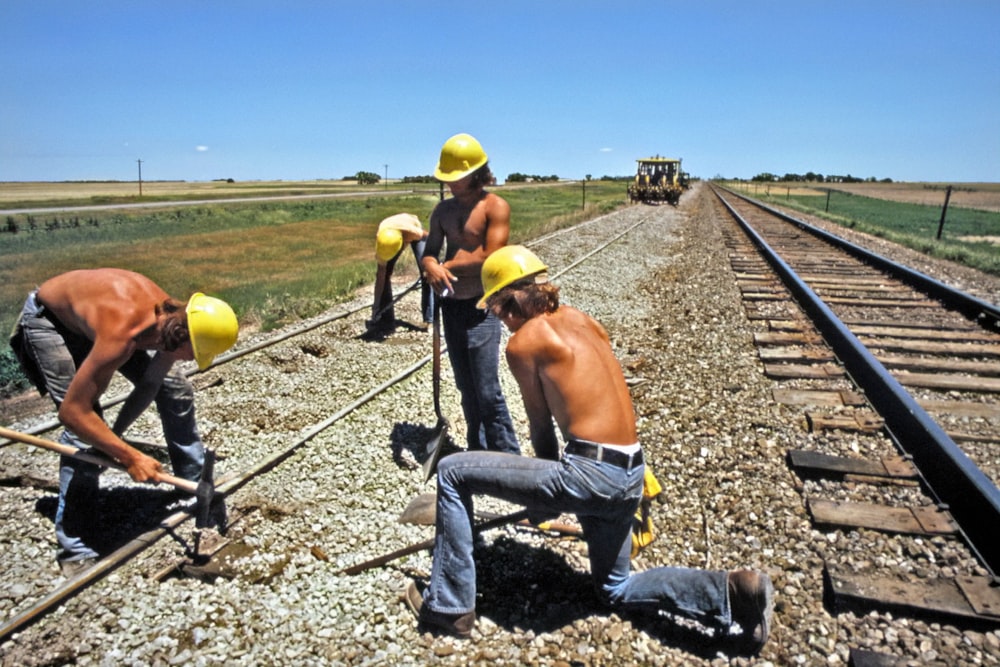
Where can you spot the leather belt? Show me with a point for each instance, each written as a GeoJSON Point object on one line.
{"type": "Point", "coordinates": [604, 454]}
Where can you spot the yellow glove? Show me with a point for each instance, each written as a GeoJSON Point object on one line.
{"type": "Point", "coordinates": [642, 524]}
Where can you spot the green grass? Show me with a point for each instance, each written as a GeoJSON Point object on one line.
{"type": "Point", "coordinates": [275, 262]}
{"type": "Point", "coordinates": [914, 226]}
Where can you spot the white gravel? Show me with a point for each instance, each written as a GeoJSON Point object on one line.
{"type": "Point", "coordinates": [711, 431]}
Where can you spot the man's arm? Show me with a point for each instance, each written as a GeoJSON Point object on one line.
{"type": "Point", "coordinates": [436, 275]}
{"type": "Point", "coordinates": [523, 366]}
{"type": "Point", "coordinates": [143, 393]}
{"type": "Point", "coordinates": [77, 411]}
{"type": "Point", "coordinates": [498, 225]}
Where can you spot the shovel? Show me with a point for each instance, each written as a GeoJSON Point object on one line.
{"type": "Point", "coordinates": [434, 446]}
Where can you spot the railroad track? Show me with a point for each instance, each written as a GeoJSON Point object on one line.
{"type": "Point", "coordinates": [867, 347]}
{"type": "Point", "coordinates": [332, 426]}
{"type": "Point", "coordinates": [235, 479]}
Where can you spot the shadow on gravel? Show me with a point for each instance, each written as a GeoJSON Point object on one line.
{"type": "Point", "coordinates": [121, 514]}
{"type": "Point", "coordinates": [408, 442]}
{"type": "Point", "coordinates": [523, 587]}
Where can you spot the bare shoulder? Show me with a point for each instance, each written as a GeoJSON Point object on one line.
{"type": "Point", "coordinates": [496, 204]}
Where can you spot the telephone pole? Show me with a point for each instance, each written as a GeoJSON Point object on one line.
{"type": "Point", "coordinates": [140, 177]}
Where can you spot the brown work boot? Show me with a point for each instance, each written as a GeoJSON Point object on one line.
{"type": "Point", "coordinates": [751, 602]}
{"type": "Point", "coordinates": [458, 625]}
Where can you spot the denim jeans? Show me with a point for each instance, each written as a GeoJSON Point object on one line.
{"type": "Point", "coordinates": [57, 352]}
{"type": "Point", "coordinates": [383, 301]}
{"type": "Point", "coordinates": [603, 496]}
{"type": "Point", "coordinates": [473, 338]}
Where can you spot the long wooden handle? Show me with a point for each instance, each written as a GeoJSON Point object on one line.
{"type": "Point", "coordinates": [428, 543]}
{"type": "Point", "coordinates": [89, 457]}
{"type": "Point", "coordinates": [436, 361]}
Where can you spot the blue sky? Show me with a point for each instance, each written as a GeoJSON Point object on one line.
{"type": "Point", "coordinates": [290, 89]}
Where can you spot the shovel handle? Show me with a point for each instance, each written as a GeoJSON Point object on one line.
{"type": "Point", "coordinates": [427, 544]}
{"type": "Point", "coordinates": [89, 457]}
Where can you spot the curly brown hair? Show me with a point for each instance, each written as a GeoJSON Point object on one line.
{"type": "Point", "coordinates": [174, 331]}
{"type": "Point", "coordinates": [526, 298]}
{"type": "Point", "coordinates": [482, 177]}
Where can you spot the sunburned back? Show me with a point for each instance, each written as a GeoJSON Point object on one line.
{"type": "Point", "coordinates": [111, 302]}
{"type": "Point", "coordinates": [580, 377]}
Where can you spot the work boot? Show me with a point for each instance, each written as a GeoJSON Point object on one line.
{"type": "Point", "coordinates": [457, 625]}
{"type": "Point", "coordinates": [751, 603]}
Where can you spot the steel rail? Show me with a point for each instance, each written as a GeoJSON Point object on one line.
{"type": "Point", "coordinates": [972, 498]}
{"type": "Point", "coordinates": [979, 310]}
{"type": "Point", "coordinates": [225, 488]}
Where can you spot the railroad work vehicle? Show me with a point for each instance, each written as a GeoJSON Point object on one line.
{"type": "Point", "coordinates": [658, 179]}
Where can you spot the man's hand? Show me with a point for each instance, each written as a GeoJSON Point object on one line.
{"type": "Point", "coordinates": [144, 468]}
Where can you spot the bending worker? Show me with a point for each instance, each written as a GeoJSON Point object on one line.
{"type": "Point", "coordinates": [567, 372]}
{"type": "Point", "coordinates": [75, 331]}
{"type": "Point", "coordinates": [471, 224]}
{"type": "Point", "coordinates": [393, 233]}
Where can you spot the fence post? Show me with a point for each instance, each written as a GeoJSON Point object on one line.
{"type": "Point", "coordinates": [827, 200]}
{"type": "Point", "coordinates": [944, 211]}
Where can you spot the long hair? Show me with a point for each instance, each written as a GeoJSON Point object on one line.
{"type": "Point", "coordinates": [482, 177]}
{"type": "Point", "coordinates": [527, 298]}
{"type": "Point", "coordinates": [174, 331]}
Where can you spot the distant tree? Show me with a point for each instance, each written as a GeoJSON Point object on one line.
{"type": "Point", "coordinates": [367, 178]}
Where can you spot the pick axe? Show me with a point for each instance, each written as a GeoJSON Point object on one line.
{"type": "Point", "coordinates": [203, 491]}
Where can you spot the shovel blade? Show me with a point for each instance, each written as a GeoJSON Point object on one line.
{"type": "Point", "coordinates": [421, 511]}
{"type": "Point", "coordinates": [434, 448]}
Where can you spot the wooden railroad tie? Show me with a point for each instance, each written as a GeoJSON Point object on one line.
{"type": "Point", "coordinates": [963, 600]}
{"type": "Point", "coordinates": [927, 521]}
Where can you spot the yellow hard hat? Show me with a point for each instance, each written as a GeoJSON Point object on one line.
{"type": "Point", "coordinates": [213, 327]}
{"type": "Point", "coordinates": [460, 156]}
{"type": "Point", "coordinates": [388, 243]}
{"type": "Point", "coordinates": [508, 265]}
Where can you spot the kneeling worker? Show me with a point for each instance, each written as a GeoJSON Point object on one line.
{"type": "Point", "coordinates": [567, 372]}
{"type": "Point", "coordinates": [75, 331]}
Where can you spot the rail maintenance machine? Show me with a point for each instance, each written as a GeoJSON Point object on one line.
{"type": "Point", "coordinates": [658, 179]}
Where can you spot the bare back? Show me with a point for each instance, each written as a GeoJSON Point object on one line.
{"type": "Point", "coordinates": [566, 370]}
{"type": "Point", "coordinates": [99, 303]}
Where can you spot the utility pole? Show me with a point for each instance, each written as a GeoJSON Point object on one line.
{"type": "Point", "coordinates": [140, 177]}
{"type": "Point", "coordinates": [386, 176]}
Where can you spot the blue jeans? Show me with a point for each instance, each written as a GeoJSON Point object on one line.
{"type": "Point", "coordinates": [473, 338]}
{"type": "Point", "coordinates": [57, 352]}
{"type": "Point", "coordinates": [604, 498]}
{"type": "Point", "coordinates": [383, 300]}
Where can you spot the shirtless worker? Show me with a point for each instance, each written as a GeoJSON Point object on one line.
{"type": "Point", "coordinates": [392, 235]}
{"type": "Point", "coordinates": [567, 372]}
{"type": "Point", "coordinates": [75, 331]}
{"type": "Point", "coordinates": [472, 224]}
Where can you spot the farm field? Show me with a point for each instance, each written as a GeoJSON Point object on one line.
{"type": "Point", "coordinates": [38, 194]}
{"type": "Point", "coordinates": [909, 214]}
{"type": "Point", "coordinates": [981, 196]}
{"type": "Point", "coordinates": [274, 261]}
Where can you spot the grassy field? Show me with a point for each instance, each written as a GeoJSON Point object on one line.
{"type": "Point", "coordinates": [908, 214]}
{"type": "Point", "coordinates": [275, 262]}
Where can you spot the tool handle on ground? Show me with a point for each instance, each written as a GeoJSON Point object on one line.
{"type": "Point", "coordinates": [436, 360]}
{"type": "Point", "coordinates": [89, 457]}
{"type": "Point", "coordinates": [427, 544]}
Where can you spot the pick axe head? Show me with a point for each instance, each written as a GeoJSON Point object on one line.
{"type": "Point", "coordinates": [205, 491]}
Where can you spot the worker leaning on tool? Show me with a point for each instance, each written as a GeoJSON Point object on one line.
{"type": "Point", "coordinates": [75, 331]}
{"type": "Point", "coordinates": [393, 233]}
{"type": "Point", "coordinates": [468, 227]}
{"type": "Point", "coordinates": [569, 377]}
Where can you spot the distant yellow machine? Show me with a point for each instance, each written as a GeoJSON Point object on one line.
{"type": "Point", "coordinates": [658, 179]}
